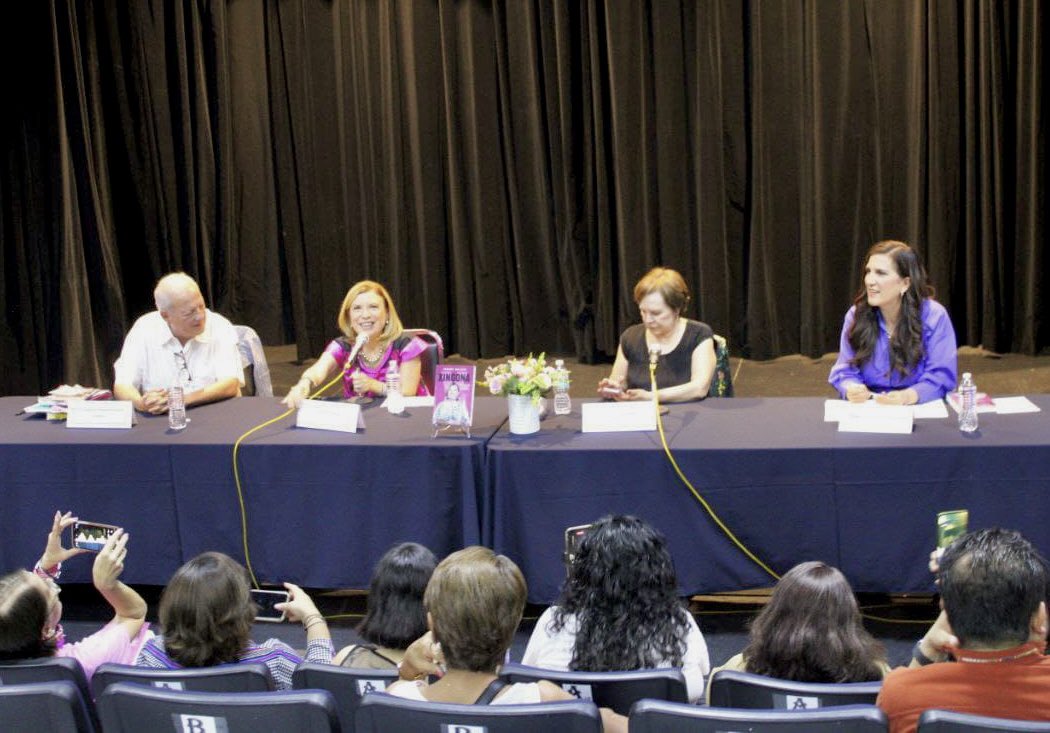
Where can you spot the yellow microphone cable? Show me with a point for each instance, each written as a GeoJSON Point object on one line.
{"type": "Point", "coordinates": [703, 502]}
{"type": "Point", "coordinates": [237, 473]}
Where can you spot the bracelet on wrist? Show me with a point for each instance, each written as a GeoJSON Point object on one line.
{"type": "Point", "coordinates": [401, 673]}
{"type": "Point", "coordinates": [315, 622]}
{"type": "Point", "coordinates": [53, 572]}
{"type": "Point", "coordinates": [918, 656]}
{"type": "Point", "coordinates": [312, 617]}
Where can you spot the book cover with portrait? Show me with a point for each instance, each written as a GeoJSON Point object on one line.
{"type": "Point", "coordinates": [454, 395]}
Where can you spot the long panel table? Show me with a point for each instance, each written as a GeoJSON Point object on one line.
{"type": "Point", "coordinates": [789, 485]}
{"type": "Point", "coordinates": [321, 506]}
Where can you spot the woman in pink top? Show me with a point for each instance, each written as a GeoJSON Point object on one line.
{"type": "Point", "coordinates": [367, 314]}
{"type": "Point", "coordinates": [30, 610]}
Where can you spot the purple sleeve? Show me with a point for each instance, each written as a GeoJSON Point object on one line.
{"type": "Point", "coordinates": [940, 364]}
{"type": "Point", "coordinates": [413, 349]}
{"type": "Point", "coordinates": [843, 371]}
{"type": "Point", "coordinates": [335, 348]}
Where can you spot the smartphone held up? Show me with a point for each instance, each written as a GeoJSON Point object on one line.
{"type": "Point", "coordinates": [265, 600]}
{"type": "Point", "coordinates": [950, 525]}
{"type": "Point", "coordinates": [91, 536]}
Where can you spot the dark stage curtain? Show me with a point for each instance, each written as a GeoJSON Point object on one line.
{"type": "Point", "coordinates": [509, 169]}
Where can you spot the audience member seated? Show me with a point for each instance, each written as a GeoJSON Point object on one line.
{"type": "Point", "coordinates": [897, 344]}
{"type": "Point", "coordinates": [30, 610]}
{"type": "Point", "coordinates": [811, 631]}
{"type": "Point", "coordinates": [993, 623]}
{"type": "Point", "coordinates": [367, 310]}
{"type": "Point", "coordinates": [686, 363]}
{"type": "Point", "coordinates": [395, 616]}
{"type": "Point", "coordinates": [182, 342]}
{"type": "Point", "coordinates": [619, 609]}
{"type": "Point", "coordinates": [206, 615]}
{"type": "Point", "coordinates": [474, 603]}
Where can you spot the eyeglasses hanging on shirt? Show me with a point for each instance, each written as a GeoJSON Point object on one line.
{"type": "Point", "coordinates": [183, 369]}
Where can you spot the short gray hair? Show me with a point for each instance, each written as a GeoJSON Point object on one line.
{"type": "Point", "coordinates": [171, 286]}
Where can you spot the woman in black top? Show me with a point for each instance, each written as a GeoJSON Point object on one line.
{"type": "Point", "coordinates": [686, 361]}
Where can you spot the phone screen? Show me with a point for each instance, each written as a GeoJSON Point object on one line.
{"type": "Point", "coordinates": [90, 535]}
{"type": "Point", "coordinates": [266, 600]}
{"type": "Point", "coordinates": [573, 537]}
{"type": "Point", "coordinates": [951, 524]}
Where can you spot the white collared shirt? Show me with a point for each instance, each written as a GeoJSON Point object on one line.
{"type": "Point", "coordinates": [152, 358]}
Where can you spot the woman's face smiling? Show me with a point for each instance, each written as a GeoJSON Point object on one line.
{"type": "Point", "coordinates": [658, 317]}
{"type": "Point", "coordinates": [368, 315]}
{"type": "Point", "coordinates": [883, 284]}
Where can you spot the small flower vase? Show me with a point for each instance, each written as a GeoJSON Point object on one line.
{"type": "Point", "coordinates": [524, 414]}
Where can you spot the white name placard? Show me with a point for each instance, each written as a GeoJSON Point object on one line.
{"type": "Point", "coordinates": [618, 417]}
{"type": "Point", "coordinates": [885, 419]}
{"type": "Point", "coordinates": [99, 414]}
{"type": "Point", "coordinates": [323, 415]}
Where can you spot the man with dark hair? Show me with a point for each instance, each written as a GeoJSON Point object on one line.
{"type": "Point", "coordinates": [993, 624]}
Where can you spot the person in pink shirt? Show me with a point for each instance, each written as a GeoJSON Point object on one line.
{"type": "Point", "coordinates": [31, 612]}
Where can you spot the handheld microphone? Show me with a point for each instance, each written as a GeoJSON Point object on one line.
{"type": "Point", "coordinates": [654, 354]}
{"type": "Point", "coordinates": [359, 342]}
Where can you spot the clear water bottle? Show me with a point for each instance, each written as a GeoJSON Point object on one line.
{"type": "Point", "coordinates": [562, 401]}
{"type": "Point", "coordinates": [176, 408]}
{"type": "Point", "coordinates": [967, 404]}
{"type": "Point", "coordinates": [395, 402]}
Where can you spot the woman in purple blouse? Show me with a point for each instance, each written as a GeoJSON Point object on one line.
{"type": "Point", "coordinates": [898, 344]}
{"type": "Point", "coordinates": [367, 311]}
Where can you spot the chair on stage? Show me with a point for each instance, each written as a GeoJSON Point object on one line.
{"type": "Point", "coordinates": [946, 721]}
{"type": "Point", "coordinates": [381, 713]}
{"type": "Point", "coordinates": [348, 685]}
{"type": "Point", "coordinates": [253, 360]}
{"type": "Point", "coordinates": [56, 707]}
{"type": "Point", "coordinates": [722, 381]}
{"type": "Point", "coordinates": [131, 708]}
{"type": "Point", "coordinates": [249, 677]}
{"type": "Point", "coordinates": [732, 689]}
{"type": "Point", "coordinates": [429, 359]}
{"type": "Point", "coordinates": [616, 690]}
{"type": "Point", "coordinates": [658, 716]}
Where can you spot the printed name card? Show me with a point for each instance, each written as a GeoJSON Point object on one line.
{"type": "Point", "coordinates": [99, 414]}
{"type": "Point", "coordinates": [618, 417]}
{"type": "Point", "coordinates": [323, 415]}
{"type": "Point", "coordinates": [885, 419]}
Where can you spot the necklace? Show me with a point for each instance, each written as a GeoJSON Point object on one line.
{"type": "Point", "coordinates": [372, 361]}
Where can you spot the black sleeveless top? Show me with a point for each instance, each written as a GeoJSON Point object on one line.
{"type": "Point", "coordinates": [674, 368]}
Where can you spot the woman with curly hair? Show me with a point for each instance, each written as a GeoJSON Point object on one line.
{"type": "Point", "coordinates": [206, 612]}
{"type": "Point", "coordinates": [619, 609]}
{"type": "Point", "coordinates": [811, 631]}
{"type": "Point", "coordinates": [898, 344]}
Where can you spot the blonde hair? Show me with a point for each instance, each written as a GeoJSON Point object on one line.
{"type": "Point", "coordinates": [668, 283]}
{"type": "Point", "coordinates": [393, 326]}
{"type": "Point", "coordinates": [475, 599]}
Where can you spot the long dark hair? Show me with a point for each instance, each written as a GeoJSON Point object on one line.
{"type": "Point", "coordinates": [206, 611]}
{"type": "Point", "coordinates": [906, 350]}
{"type": "Point", "coordinates": [395, 616]}
{"type": "Point", "coordinates": [23, 613]}
{"type": "Point", "coordinates": [622, 591]}
{"type": "Point", "coordinates": [811, 631]}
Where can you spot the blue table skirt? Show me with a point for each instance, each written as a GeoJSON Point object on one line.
{"type": "Point", "coordinates": [323, 506]}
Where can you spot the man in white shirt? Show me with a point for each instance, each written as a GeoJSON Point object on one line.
{"type": "Point", "coordinates": [182, 342]}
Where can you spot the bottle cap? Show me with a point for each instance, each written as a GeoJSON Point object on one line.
{"type": "Point", "coordinates": [966, 375]}
{"type": "Point", "coordinates": [559, 363]}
